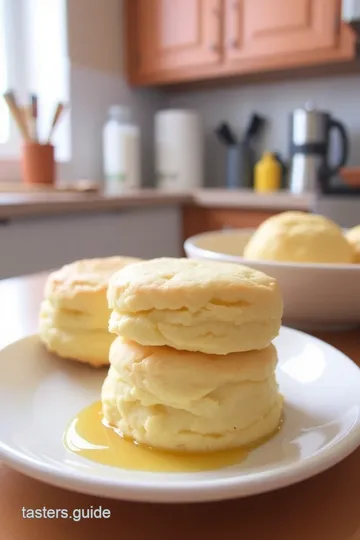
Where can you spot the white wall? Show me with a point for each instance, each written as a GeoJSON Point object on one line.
{"type": "Point", "coordinates": [338, 95]}
{"type": "Point", "coordinates": [96, 34]}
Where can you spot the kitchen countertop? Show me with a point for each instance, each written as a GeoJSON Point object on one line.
{"type": "Point", "coordinates": [27, 204]}
{"type": "Point", "coordinates": [323, 507]}
{"type": "Point", "coordinates": [13, 205]}
{"type": "Point", "coordinates": [248, 199]}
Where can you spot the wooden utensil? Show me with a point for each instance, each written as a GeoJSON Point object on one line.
{"type": "Point", "coordinates": [34, 117]}
{"type": "Point", "coordinates": [60, 108]}
{"type": "Point", "coordinates": [26, 115]}
{"type": "Point", "coordinates": [17, 115]}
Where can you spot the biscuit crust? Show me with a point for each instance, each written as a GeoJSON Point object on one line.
{"type": "Point", "coordinates": [194, 402]}
{"type": "Point", "coordinates": [74, 314]}
{"type": "Point", "coordinates": [194, 305]}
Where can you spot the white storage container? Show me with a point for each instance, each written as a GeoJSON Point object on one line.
{"type": "Point", "coordinates": [121, 152]}
{"type": "Point", "coordinates": [179, 150]}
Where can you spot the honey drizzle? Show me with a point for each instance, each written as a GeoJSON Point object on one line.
{"type": "Point", "coordinates": [89, 437]}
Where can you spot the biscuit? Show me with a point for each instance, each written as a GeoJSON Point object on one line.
{"type": "Point", "coordinates": [215, 308]}
{"type": "Point", "coordinates": [299, 237]}
{"type": "Point", "coordinates": [74, 313]}
{"type": "Point", "coordinates": [186, 401]}
{"type": "Point", "coordinates": [353, 237]}
{"type": "Point", "coordinates": [83, 346]}
{"type": "Point", "coordinates": [81, 286]}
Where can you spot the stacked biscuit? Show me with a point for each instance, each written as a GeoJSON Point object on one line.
{"type": "Point", "coordinates": [193, 367]}
{"type": "Point", "coordinates": [74, 313]}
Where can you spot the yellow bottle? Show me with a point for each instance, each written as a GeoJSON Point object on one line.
{"type": "Point", "coordinates": [268, 174]}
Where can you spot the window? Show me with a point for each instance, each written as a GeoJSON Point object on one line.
{"type": "Point", "coordinates": [34, 59]}
{"type": "Point", "coordinates": [4, 116]}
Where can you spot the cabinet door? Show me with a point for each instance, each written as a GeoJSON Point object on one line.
{"type": "Point", "coordinates": [177, 34]}
{"type": "Point", "coordinates": [197, 220]}
{"type": "Point", "coordinates": [279, 28]}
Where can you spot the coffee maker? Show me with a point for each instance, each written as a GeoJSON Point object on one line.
{"type": "Point", "coordinates": [310, 147]}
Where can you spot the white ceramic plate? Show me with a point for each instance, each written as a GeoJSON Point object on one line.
{"type": "Point", "coordinates": [40, 394]}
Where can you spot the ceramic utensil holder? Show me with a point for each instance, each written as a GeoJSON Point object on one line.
{"type": "Point", "coordinates": [239, 166]}
{"type": "Point", "coordinates": [38, 163]}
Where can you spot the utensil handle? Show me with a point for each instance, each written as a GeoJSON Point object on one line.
{"type": "Point", "coordinates": [57, 114]}
{"type": "Point", "coordinates": [344, 141]}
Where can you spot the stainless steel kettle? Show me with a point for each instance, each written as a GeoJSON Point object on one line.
{"type": "Point", "coordinates": [310, 149]}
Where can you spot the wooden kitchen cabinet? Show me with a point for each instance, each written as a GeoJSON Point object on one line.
{"type": "Point", "coordinates": [172, 36]}
{"type": "Point", "coordinates": [197, 220]}
{"type": "Point", "coordinates": [177, 41]}
{"type": "Point", "coordinates": [263, 28]}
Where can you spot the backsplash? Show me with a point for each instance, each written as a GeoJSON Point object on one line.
{"type": "Point", "coordinates": [98, 81]}
{"type": "Point", "coordinates": [338, 95]}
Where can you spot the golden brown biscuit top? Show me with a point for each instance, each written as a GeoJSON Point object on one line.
{"type": "Point", "coordinates": [254, 365]}
{"type": "Point", "coordinates": [170, 283]}
{"type": "Point", "coordinates": [85, 275]}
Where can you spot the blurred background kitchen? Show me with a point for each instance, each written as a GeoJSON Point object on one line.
{"type": "Point", "coordinates": [176, 117]}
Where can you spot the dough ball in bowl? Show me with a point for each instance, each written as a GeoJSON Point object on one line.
{"type": "Point", "coordinates": [353, 236]}
{"type": "Point", "coordinates": [299, 237]}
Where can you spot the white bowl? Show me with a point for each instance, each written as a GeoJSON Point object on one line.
{"type": "Point", "coordinates": [316, 296]}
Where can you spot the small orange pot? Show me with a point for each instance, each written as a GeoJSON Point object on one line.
{"type": "Point", "coordinates": [351, 176]}
{"type": "Point", "coordinates": [38, 163]}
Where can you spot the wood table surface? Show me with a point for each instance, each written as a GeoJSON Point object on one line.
{"type": "Point", "coordinates": [326, 507]}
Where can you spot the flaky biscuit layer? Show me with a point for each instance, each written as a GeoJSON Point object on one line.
{"type": "Point", "coordinates": [195, 305]}
{"type": "Point", "coordinates": [184, 401]}
{"type": "Point", "coordinates": [90, 347]}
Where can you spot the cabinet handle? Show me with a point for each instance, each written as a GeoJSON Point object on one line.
{"type": "Point", "coordinates": [233, 43]}
{"type": "Point", "coordinates": [214, 47]}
